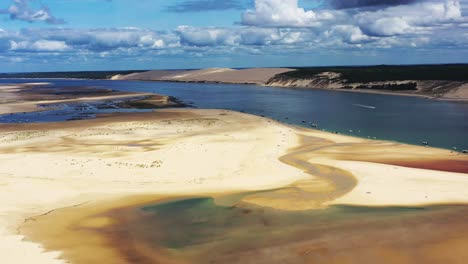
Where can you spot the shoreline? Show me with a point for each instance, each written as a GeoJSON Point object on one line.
{"type": "Point", "coordinates": [429, 97]}
{"type": "Point", "coordinates": [20, 98]}
{"type": "Point", "coordinates": [332, 79]}
{"type": "Point", "coordinates": [368, 91]}
{"type": "Point", "coordinates": [136, 100]}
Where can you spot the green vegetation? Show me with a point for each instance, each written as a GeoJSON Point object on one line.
{"type": "Point", "coordinates": [391, 87]}
{"type": "Point", "coordinates": [363, 74]}
{"type": "Point", "coordinates": [74, 75]}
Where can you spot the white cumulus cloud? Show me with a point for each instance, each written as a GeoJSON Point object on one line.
{"type": "Point", "coordinates": [412, 18]}
{"type": "Point", "coordinates": [283, 13]}
{"type": "Point", "coordinates": [39, 45]}
{"type": "Point", "coordinates": [21, 10]}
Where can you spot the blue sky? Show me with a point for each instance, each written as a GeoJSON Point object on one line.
{"type": "Point", "coordinates": [154, 14]}
{"type": "Point", "coordinates": [62, 35]}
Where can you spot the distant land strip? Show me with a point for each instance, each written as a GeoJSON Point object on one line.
{"type": "Point", "coordinates": [445, 81]}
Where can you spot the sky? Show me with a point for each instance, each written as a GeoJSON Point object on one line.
{"type": "Point", "coordinates": [74, 35]}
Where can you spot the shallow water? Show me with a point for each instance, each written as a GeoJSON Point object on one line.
{"type": "Point", "coordinates": [198, 230]}
{"type": "Point", "coordinates": [201, 220]}
{"type": "Point", "coordinates": [405, 119]}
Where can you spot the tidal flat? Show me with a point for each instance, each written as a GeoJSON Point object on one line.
{"type": "Point", "coordinates": [226, 229]}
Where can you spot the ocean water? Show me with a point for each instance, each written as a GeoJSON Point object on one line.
{"type": "Point", "coordinates": [398, 118]}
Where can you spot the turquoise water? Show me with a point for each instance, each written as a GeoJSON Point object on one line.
{"type": "Point", "coordinates": [405, 119]}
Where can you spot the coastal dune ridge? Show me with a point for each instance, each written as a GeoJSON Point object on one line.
{"type": "Point", "coordinates": [211, 75]}
{"type": "Point", "coordinates": [447, 82]}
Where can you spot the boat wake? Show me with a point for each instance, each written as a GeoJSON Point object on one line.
{"type": "Point", "coordinates": [365, 106]}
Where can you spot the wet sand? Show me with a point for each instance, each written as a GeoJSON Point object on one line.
{"type": "Point", "coordinates": [390, 153]}
{"type": "Point", "coordinates": [29, 97]}
{"type": "Point", "coordinates": [196, 230]}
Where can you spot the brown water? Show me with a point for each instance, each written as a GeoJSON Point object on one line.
{"type": "Point", "coordinates": [198, 230]}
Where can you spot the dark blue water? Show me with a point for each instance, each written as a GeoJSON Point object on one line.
{"type": "Point", "coordinates": [405, 119]}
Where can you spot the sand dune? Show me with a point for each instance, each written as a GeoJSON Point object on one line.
{"type": "Point", "coordinates": [459, 93]}
{"type": "Point", "coordinates": [213, 75]}
{"type": "Point", "coordinates": [147, 76]}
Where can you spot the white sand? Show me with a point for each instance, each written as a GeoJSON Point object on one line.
{"type": "Point", "coordinates": [198, 154]}
{"type": "Point", "coordinates": [459, 93]}
{"type": "Point", "coordinates": [388, 185]}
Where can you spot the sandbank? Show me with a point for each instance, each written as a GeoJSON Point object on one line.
{"type": "Point", "coordinates": [96, 164]}
{"type": "Point", "coordinates": [28, 97]}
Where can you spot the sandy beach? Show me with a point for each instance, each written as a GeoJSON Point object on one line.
{"type": "Point", "coordinates": [94, 163]}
